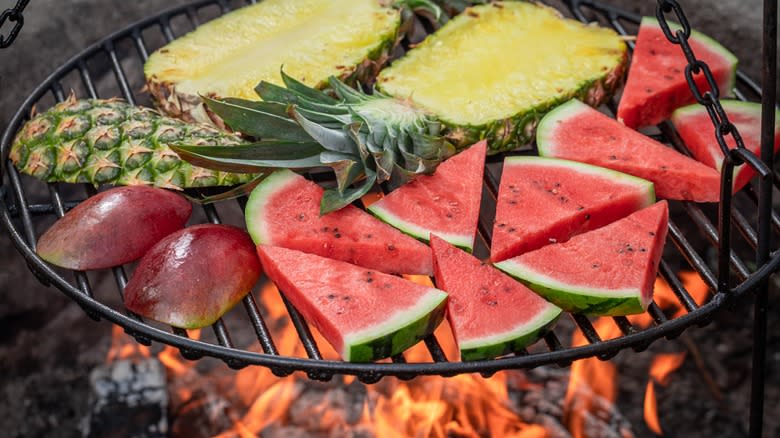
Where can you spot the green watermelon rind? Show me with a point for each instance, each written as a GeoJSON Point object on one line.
{"type": "Point", "coordinates": [256, 205]}
{"type": "Point", "coordinates": [680, 115]}
{"type": "Point", "coordinates": [576, 298]}
{"type": "Point", "coordinates": [423, 234]}
{"type": "Point", "coordinates": [398, 332]}
{"type": "Point", "coordinates": [725, 89]}
{"type": "Point", "coordinates": [510, 341]}
{"type": "Point", "coordinates": [590, 169]}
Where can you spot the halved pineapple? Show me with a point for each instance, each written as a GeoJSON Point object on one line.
{"type": "Point", "coordinates": [229, 56]}
{"type": "Point", "coordinates": [494, 70]}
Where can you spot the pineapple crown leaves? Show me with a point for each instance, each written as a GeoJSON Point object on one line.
{"type": "Point", "coordinates": [365, 139]}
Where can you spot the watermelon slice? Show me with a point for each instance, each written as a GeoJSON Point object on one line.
{"type": "Point", "coordinates": [364, 314]}
{"type": "Point", "coordinates": [284, 210]}
{"type": "Point", "coordinates": [656, 83]}
{"type": "Point", "coordinates": [490, 313]}
{"type": "Point", "coordinates": [445, 203]}
{"type": "Point", "coordinates": [695, 128]}
{"type": "Point", "coordinates": [575, 131]}
{"type": "Point", "coordinates": [545, 200]}
{"type": "Point", "coordinates": [609, 271]}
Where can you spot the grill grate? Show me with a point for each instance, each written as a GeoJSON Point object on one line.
{"type": "Point", "coordinates": [122, 54]}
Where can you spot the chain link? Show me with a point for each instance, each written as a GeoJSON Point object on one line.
{"type": "Point", "coordinates": [13, 15]}
{"type": "Point", "coordinates": [710, 98]}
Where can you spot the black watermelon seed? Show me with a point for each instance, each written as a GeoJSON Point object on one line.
{"type": "Point", "coordinates": [642, 249]}
{"type": "Point", "coordinates": [337, 236]}
{"type": "Point", "coordinates": [652, 233]}
{"type": "Point", "coordinates": [613, 157]}
{"type": "Point", "coordinates": [492, 303]}
{"type": "Point", "coordinates": [587, 216]}
{"type": "Point", "coordinates": [390, 247]}
{"type": "Point", "coordinates": [368, 236]}
{"type": "Point", "coordinates": [512, 229]}
{"type": "Point", "coordinates": [331, 296]}
{"type": "Point", "coordinates": [369, 280]}
{"type": "Point", "coordinates": [502, 225]}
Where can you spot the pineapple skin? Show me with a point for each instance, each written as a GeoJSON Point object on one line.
{"type": "Point", "coordinates": [112, 142]}
{"type": "Point", "coordinates": [191, 108]}
{"type": "Point", "coordinates": [518, 130]}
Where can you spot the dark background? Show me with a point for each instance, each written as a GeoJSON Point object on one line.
{"type": "Point", "coordinates": [46, 342]}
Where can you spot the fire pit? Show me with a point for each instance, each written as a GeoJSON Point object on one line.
{"type": "Point", "coordinates": [22, 208]}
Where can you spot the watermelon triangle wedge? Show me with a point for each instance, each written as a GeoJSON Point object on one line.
{"type": "Point", "coordinates": [364, 314]}
{"type": "Point", "coordinates": [575, 131]}
{"type": "Point", "coordinates": [490, 313]}
{"type": "Point", "coordinates": [445, 203]}
{"type": "Point", "coordinates": [695, 128]}
{"type": "Point", "coordinates": [656, 83]}
{"type": "Point", "coordinates": [284, 210]}
{"type": "Point", "coordinates": [546, 200]}
{"type": "Point", "coordinates": [609, 271]}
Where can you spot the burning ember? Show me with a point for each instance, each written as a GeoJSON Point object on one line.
{"type": "Point", "coordinates": [252, 401]}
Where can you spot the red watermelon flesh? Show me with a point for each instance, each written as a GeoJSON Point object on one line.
{"type": "Point", "coordinates": [284, 210]}
{"type": "Point", "coordinates": [575, 131]}
{"type": "Point", "coordinates": [445, 203]}
{"type": "Point", "coordinates": [695, 128]}
{"type": "Point", "coordinates": [546, 200]}
{"type": "Point", "coordinates": [490, 313]}
{"type": "Point", "coordinates": [364, 314]}
{"type": "Point", "coordinates": [656, 83]}
{"type": "Point", "coordinates": [609, 271]}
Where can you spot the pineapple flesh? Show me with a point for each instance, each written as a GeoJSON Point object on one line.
{"type": "Point", "coordinates": [311, 39]}
{"type": "Point", "coordinates": [112, 142]}
{"type": "Point", "coordinates": [494, 70]}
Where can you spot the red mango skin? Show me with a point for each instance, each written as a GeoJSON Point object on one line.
{"type": "Point", "coordinates": [195, 275]}
{"type": "Point", "coordinates": [113, 227]}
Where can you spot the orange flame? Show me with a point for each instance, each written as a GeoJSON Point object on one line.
{"type": "Point", "coordinates": [662, 367]}
{"type": "Point", "coordinates": [123, 346]}
{"type": "Point", "coordinates": [591, 382]}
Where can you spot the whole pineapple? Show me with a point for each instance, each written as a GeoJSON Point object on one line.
{"type": "Point", "coordinates": [112, 142]}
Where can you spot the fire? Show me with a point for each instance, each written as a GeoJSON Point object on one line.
{"type": "Point", "coordinates": [662, 367]}
{"type": "Point", "coordinates": [593, 382]}
{"type": "Point", "coordinates": [125, 347]}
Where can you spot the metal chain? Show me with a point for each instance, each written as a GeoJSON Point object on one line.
{"type": "Point", "coordinates": [710, 98]}
{"type": "Point", "coordinates": [12, 15]}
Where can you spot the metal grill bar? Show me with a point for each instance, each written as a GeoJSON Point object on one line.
{"type": "Point", "coordinates": [638, 338]}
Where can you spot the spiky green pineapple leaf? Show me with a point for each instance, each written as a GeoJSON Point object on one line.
{"type": "Point", "coordinates": [305, 91]}
{"type": "Point", "coordinates": [208, 157]}
{"type": "Point", "coordinates": [335, 140]}
{"type": "Point", "coordinates": [334, 199]}
{"type": "Point", "coordinates": [238, 191]}
{"type": "Point", "coordinates": [257, 119]}
{"type": "Point", "coordinates": [348, 168]}
{"type": "Point", "coordinates": [346, 93]}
